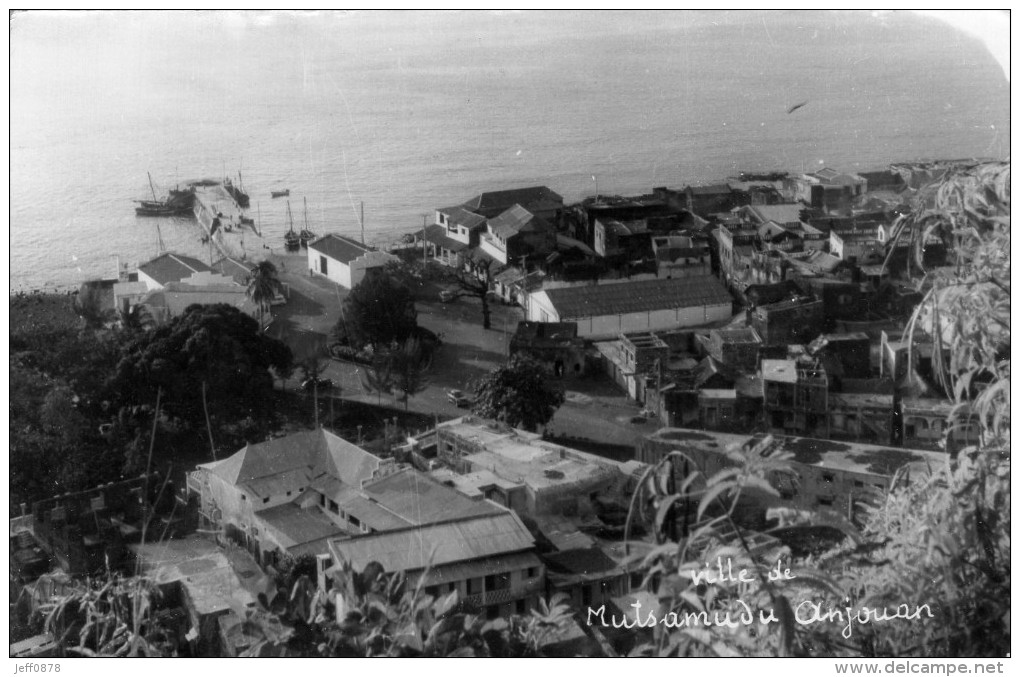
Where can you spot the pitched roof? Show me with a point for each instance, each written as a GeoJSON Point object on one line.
{"type": "Point", "coordinates": [415, 548]}
{"type": "Point", "coordinates": [781, 214]}
{"type": "Point", "coordinates": [462, 217]}
{"type": "Point", "coordinates": [419, 499]}
{"type": "Point", "coordinates": [515, 220]}
{"type": "Point", "coordinates": [339, 247]}
{"type": "Point", "coordinates": [537, 198]}
{"type": "Point", "coordinates": [311, 452]}
{"type": "Point", "coordinates": [171, 267]}
{"type": "Point", "coordinates": [637, 297]}
{"type": "Point", "coordinates": [436, 234]}
{"type": "Point", "coordinates": [239, 270]}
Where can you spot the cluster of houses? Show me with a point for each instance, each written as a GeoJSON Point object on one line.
{"type": "Point", "coordinates": [762, 314]}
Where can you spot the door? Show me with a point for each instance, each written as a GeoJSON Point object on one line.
{"type": "Point", "coordinates": [323, 267]}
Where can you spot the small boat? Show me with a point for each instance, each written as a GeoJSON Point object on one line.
{"type": "Point", "coordinates": [291, 239]}
{"type": "Point", "coordinates": [306, 235]}
{"type": "Point", "coordinates": [281, 193]}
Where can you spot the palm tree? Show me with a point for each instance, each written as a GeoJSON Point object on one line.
{"type": "Point", "coordinates": [136, 319]}
{"type": "Point", "coordinates": [263, 286]}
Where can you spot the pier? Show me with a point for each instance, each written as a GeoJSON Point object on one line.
{"type": "Point", "coordinates": [213, 201]}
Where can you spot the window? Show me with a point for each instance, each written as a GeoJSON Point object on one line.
{"type": "Point", "coordinates": [825, 500]}
{"type": "Point", "coordinates": [334, 507]}
{"type": "Point", "coordinates": [322, 500]}
{"type": "Point", "coordinates": [474, 586]}
{"type": "Point", "coordinates": [858, 484]}
{"type": "Point", "coordinates": [354, 521]}
{"type": "Point", "coordinates": [265, 500]}
{"type": "Point", "coordinates": [585, 595]}
{"type": "Point", "coordinates": [521, 607]}
{"type": "Point", "coordinates": [289, 493]}
{"type": "Point", "coordinates": [828, 477]}
{"type": "Point", "coordinates": [243, 497]}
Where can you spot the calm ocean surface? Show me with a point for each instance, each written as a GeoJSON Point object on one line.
{"type": "Point", "coordinates": [410, 111]}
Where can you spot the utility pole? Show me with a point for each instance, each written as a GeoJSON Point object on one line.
{"type": "Point", "coordinates": [424, 253]}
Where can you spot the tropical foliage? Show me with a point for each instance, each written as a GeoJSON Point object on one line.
{"type": "Point", "coordinates": [263, 286]}
{"type": "Point", "coordinates": [377, 312]}
{"type": "Point", "coordinates": [518, 393]}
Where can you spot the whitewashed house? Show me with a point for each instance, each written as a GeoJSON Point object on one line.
{"type": "Point", "coordinates": [343, 260]}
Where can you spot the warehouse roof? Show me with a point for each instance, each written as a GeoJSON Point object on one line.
{"type": "Point", "coordinates": [637, 297]}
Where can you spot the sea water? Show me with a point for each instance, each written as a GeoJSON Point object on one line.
{"type": "Point", "coordinates": [406, 112]}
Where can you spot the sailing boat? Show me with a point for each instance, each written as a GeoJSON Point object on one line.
{"type": "Point", "coordinates": [237, 191]}
{"type": "Point", "coordinates": [291, 239]}
{"type": "Point", "coordinates": [178, 202]}
{"type": "Point", "coordinates": [306, 235]}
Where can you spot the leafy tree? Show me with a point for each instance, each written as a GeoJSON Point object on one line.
{"type": "Point", "coordinates": [476, 283]}
{"type": "Point", "coordinates": [378, 376]}
{"type": "Point", "coordinates": [90, 306]}
{"type": "Point", "coordinates": [263, 287]}
{"type": "Point", "coordinates": [217, 345]}
{"type": "Point", "coordinates": [518, 393]}
{"type": "Point", "coordinates": [407, 366]}
{"type": "Point", "coordinates": [378, 312]}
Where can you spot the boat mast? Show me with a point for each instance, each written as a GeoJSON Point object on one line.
{"type": "Point", "coordinates": [290, 217]}
{"type": "Point", "coordinates": [362, 222]}
{"type": "Point", "coordinates": [258, 206]}
{"type": "Point", "coordinates": [149, 174]}
{"type": "Point", "coordinates": [306, 212]}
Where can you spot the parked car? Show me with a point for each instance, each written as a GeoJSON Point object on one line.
{"type": "Point", "coordinates": [459, 398]}
{"type": "Point", "coordinates": [324, 384]}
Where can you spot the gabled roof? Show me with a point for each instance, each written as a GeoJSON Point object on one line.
{"type": "Point", "coordinates": [781, 214]}
{"type": "Point", "coordinates": [170, 267]}
{"type": "Point", "coordinates": [339, 247]}
{"type": "Point", "coordinates": [462, 217]}
{"type": "Point", "coordinates": [636, 297]}
{"type": "Point", "coordinates": [239, 270]}
{"type": "Point", "coordinates": [516, 220]}
{"type": "Point", "coordinates": [536, 198]}
{"type": "Point", "coordinates": [414, 548]}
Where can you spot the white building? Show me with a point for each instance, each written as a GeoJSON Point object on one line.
{"type": "Point", "coordinates": [343, 260]}
{"type": "Point", "coordinates": [608, 310]}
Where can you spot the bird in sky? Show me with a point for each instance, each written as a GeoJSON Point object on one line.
{"type": "Point", "coordinates": [796, 106]}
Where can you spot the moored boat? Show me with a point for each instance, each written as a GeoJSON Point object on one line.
{"type": "Point", "coordinates": [291, 239]}
{"type": "Point", "coordinates": [306, 235]}
{"type": "Point", "coordinates": [178, 202]}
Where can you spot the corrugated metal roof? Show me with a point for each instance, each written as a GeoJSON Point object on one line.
{"type": "Point", "coordinates": [339, 247]}
{"type": "Point", "coordinates": [462, 217]}
{"type": "Point", "coordinates": [515, 220]}
{"type": "Point", "coordinates": [637, 297]}
{"type": "Point", "coordinates": [299, 526]}
{"type": "Point", "coordinates": [479, 568]}
{"type": "Point", "coordinates": [438, 544]}
{"type": "Point", "coordinates": [419, 499]}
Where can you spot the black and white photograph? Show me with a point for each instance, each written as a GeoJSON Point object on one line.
{"type": "Point", "coordinates": [510, 334]}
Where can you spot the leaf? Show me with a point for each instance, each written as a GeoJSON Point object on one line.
{"type": "Point", "coordinates": [710, 495]}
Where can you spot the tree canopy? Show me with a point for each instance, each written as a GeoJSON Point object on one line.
{"type": "Point", "coordinates": [518, 393]}
{"type": "Point", "coordinates": [217, 345]}
{"type": "Point", "coordinates": [378, 312]}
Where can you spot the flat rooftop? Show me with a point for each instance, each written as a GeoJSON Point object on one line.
{"type": "Point", "coordinates": [216, 580]}
{"type": "Point", "coordinates": [862, 459]}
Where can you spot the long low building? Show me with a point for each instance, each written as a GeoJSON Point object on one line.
{"type": "Point", "coordinates": [608, 310]}
{"type": "Point", "coordinates": [831, 475]}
